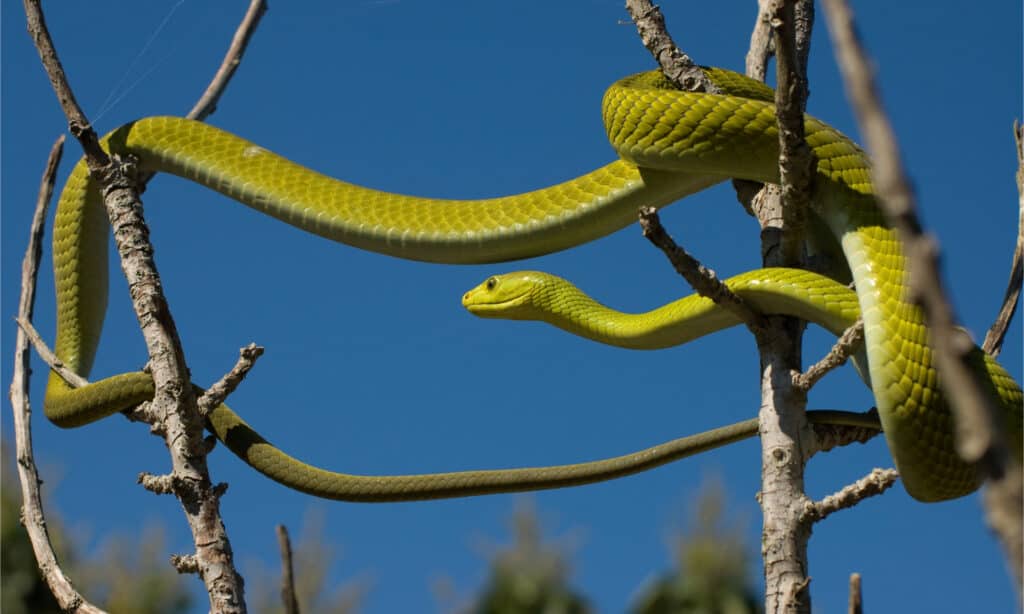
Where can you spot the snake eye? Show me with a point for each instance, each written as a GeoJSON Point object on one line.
{"type": "Point", "coordinates": [491, 282]}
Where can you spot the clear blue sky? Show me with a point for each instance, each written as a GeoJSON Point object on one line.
{"type": "Point", "coordinates": [372, 366]}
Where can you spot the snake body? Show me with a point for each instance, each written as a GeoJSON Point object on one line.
{"type": "Point", "coordinates": [671, 144]}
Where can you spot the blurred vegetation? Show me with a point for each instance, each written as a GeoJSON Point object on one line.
{"type": "Point", "coordinates": [129, 575]}
{"type": "Point", "coordinates": [132, 575]}
{"type": "Point", "coordinates": [713, 574]}
{"type": "Point", "coordinates": [312, 556]}
{"type": "Point", "coordinates": [528, 576]}
{"type": "Point", "coordinates": [22, 590]}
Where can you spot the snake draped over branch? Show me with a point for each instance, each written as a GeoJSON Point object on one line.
{"type": "Point", "coordinates": [671, 144]}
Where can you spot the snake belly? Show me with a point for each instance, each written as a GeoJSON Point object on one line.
{"type": "Point", "coordinates": [671, 144]}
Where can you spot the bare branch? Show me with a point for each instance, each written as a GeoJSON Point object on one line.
{"type": "Point", "coordinates": [159, 484]}
{"type": "Point", "coordinates": [847, 345]}
{"type": "Point", "coordinates": [702, 279]}
{"type": "Point", "coordinates": [762, 46]}
{"type": "Point", "coordinates": [875, 483]}
{"type": "Point", "coordinates": [185, 563]}
{"type": "Point", "coordinates": [216, 393]}
{"type": "Point", "coordinates": [73, 379]}
{"type": "Point", "coordinates": [676, 65]}
{"type": "Point", "coordinates": [291, 603]}
{"type": "Point", "coordinates": [994, 339]}
{"type": "Point", "coordinates": [207, 103]}
{"type": "Point", "coordinates": [835, 428]}
{"type": "Point", "coordinates": [830, 436]}
{"type": "Point", "coordinates": [79, 126]}
{"type": "Point", "coordinates": [971, 397]}
{"type": "Point", "coordinates": [796, 161]}
{"type": "Point", "coordinates": [974, 407]}
{"type": "Point", "coordinates": [1004, 509]}
{"type": "Point", "coordinates": [32, 503]}
{"type": "Point", "coordinates": [181, 425]}
{"type": "Point", "coordinates": [786, 439]}
{"type": "Point", "coordinates": [856, 602]}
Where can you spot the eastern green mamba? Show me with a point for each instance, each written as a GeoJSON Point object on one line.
{"type": "Point", "coordinates": [671, 144]}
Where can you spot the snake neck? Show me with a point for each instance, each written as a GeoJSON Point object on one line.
{"type": "Point", "coordinates": [793, 292]}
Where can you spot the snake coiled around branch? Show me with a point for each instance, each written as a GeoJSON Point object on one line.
{"type": "Point", "coordinates": [671, 144]}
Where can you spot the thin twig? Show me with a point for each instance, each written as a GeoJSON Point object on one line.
{"type": "Point", "coordinates": [675, 65]}
{"type": "Point", "coordinates": [207, 103]}
{"type": "Point", "coordinates": [288, 597]}
{"type": "Point", "coordinates": [847, 345]}
{"type": "Point", "coordinates": [219, 391]}
{"type": "Point", "coordinates": [185, 563]}
{"type": "Point", "coordinates": [856, 601]}
{"type": "Point", "coordinates": [79, 126]}
{"type": "Point", "coordinates": [994, 339]}
{"type": "Point", "coordinates": [702, 279]}
{"type": "Point", "coordinates": [32, 503]}
{"type": "Point", "coordinates": [70, 377]}
{"type": "Point", "coordinates": [832, 434]}
{"type": "Point", "coordinates": [875, 483]}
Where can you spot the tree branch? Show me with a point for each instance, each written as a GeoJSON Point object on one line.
{"type": "Point", "coordinates": [856, 604]}
{"type": "Point", "coordinates": [994, 339]}
{"type": "Point", "coordinates": [73, 379]}
{"type": "Point", "coordinates": [684, 74]}
{"type": "Point", "coordinates": [32, 516]}
{"type": "Point", "coordinates": [675, 65]}
{"type": "Point", "coordinates": [796, 161]}
{"type": "Point", "coordinates": [875, 483]}
{"type": "Point", "coordinates": [832, 434]}
{"type": "Point", "coordinates": [786, 439]}
{"type": "Point", "coordinates": [79, 126]}
{"type": "Point", "coordinates": [702, 279]}
{"type": "Point", "coordinates": [288, 598]}
{"type": "Point", "coordinates": [207, 103]}
{"type": "Point", "coordinates": [979, 436]}
{"type": "Point", "coordinates": [181, 426]}
{"type": "Point", "coordinates": [973, 405]}
{"type": "Point", "coordinates": [847, 345]}
{"type": "Point", "coordinates": [218, 392]}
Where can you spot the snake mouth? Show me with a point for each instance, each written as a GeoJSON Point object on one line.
{"type": "Point", "coordinates": [472, 301]}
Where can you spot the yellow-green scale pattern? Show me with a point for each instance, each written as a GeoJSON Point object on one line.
{"type": "Point", "coordinates": [671, 143]}
{"type": "Point", "coordinates": [535, 295]}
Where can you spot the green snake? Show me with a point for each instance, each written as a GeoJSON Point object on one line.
{"type": "Point", "coordinates": [670, 143]}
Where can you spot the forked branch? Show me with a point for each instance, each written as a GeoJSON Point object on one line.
{"type": "Point", "coordinates": [182, 427]}
{"type": "Point", "coordinates": [32, 504]}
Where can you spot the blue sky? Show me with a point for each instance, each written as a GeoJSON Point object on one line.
{"type": "Point", "coordinates": [372, 366]}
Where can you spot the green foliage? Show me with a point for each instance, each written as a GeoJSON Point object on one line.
{"type": "Point", "coordinates": [713, 575]}
{"type": "Point", "coordinates": [130, 575]}
{"type": "Point", "coordinates": [22, 590]}
{"type": "Point", "coordinates": [529, 577]}
{"type": "Point", "coordinates": [311, 560]}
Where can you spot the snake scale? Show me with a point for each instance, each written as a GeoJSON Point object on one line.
{"type": "Point", "coordinates": [671, 144]}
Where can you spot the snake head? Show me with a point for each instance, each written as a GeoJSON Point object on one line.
{"type": "Point", "coordinates": [507, 297]}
